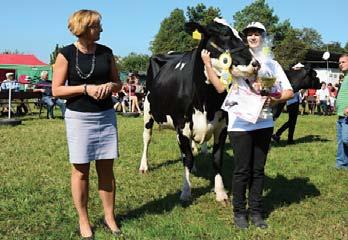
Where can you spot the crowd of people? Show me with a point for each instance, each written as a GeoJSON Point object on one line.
{"type": "Point", "coordinates": [131, 96]}
{"type": "Point", "coordinates": [319, 101]}
{"type": "Point", "coordinates": [22, 106]}
{"type": "Point", "coordinates": [85, 74]}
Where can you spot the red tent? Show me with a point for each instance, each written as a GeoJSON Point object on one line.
{"type": "Point", "coordinates": [20, 59]}
{"type": "Point", "coordinates": [22, 65]}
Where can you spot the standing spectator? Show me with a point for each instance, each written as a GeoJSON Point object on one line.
{"type": "Point", "coordinates": [323, 99]}
{"type": "Point", "coordinates": [250, 141]}
{"type": "Point", "coordinates": [332, 98]}
{"type": "Point", "coordinates": [342, 112]}
{"type": "Point", "coordinates": [303, 100]}
{"type": "Point", "coordinates": [292, 106]}
{"type": "Point", "coordinates": [311, 100]}
{"type": "Point", "coordinates": [90, 71]}
{"type": "Point", "coordinates": [45, 87]}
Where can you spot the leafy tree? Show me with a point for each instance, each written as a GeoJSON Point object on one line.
{"type": "Point", "coordinates": [346, 48]}
{"type": "Point", "coordinates": [312, 38]}
{"type": "Point", "coordinates": [54, 54]}
{"type": "Point", "coordinates": [201, 14]}
{"type": "Point", "coordinates": [7, 51]}
{"type": "Point", "coordinates": [291, 49]}
{"type": "Point", "coordinates": [258, 11]}
{"type": "Point", "coordinates": [133, 62]}
{"type": "Point", "coordinates": [172, 36]}
{"type": "Point", "coordinates": [334, 47]}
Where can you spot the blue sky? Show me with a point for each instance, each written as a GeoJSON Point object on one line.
{"type": "Point", "coordinates": [34, 27]}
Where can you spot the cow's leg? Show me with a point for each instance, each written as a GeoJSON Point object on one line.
{"type": "Point", "coordinates": [148, 125]}
{"type": "Point", "coordinates": [220, 135]}
{"type": "Point", "coordinates": [184, 136]}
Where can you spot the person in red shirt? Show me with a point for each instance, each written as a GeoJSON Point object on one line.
{"type": "Point", "coordinates": [311, 99]}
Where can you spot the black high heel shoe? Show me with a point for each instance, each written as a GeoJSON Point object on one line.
{"type": "Point", "coordinates": [115, 233]}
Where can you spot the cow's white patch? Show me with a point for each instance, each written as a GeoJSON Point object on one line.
{"type": "Point", "coordinates": [224, 22]}
{"type": "Point", "coordinates": [187, 131]}
{"type": "Point", "coordinates": [177, 65]}
{"type": "Point", "coordinates": [219, 189]}
{"type": "Point", "coordinates": [186, 190]}
{"type": "Point", "coordinates": [200, 126]}
{"type": "Point", "coordinates": [180, 65]}
{"type": "Point", "coordinates": [202, 129]}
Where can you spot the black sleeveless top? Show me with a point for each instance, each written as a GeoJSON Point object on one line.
{"type": "Point", "coordinates": [100, 75]}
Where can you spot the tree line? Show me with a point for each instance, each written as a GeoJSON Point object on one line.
{"type": "Point", "coordinates": [289, 44]}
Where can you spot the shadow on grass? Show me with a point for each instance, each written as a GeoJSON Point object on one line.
{"type": "Point", "coordinates": [281, 191]}
{"type": "Point", "coordinates": [161, 205]}
{"type": "Point", "coordinates": [163, 164]}
{"type": "Point", "coordinates": [284, 192]}
{"type": "Point", "coordinates": [304, 139]}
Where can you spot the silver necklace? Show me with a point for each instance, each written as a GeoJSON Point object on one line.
{"type": "Point", "coordinates": [79, 71]}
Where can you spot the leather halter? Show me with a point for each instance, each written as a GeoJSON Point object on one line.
{"type": "Point", "coordinates": [231, 51]}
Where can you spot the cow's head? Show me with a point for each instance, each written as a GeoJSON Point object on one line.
{"type": "Point", "coordinates": [221, 40]}
{"type": "Point", "coordinates": [218, 38]}
{"type": "Point", "coordinates": [303, 78]}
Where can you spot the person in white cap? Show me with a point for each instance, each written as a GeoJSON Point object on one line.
{"type": "Point", "coordinates": [10, 82]}
{"type": "Point", "coordinates": [250, 141]}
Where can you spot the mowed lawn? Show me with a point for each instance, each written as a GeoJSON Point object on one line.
{"type": "Point", "coordinates": [305, 196]}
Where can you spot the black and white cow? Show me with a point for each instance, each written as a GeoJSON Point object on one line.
{"type": "Point", "coordinates": [179, 95]}
{"type": "Point", "coordinates": [302, 78]}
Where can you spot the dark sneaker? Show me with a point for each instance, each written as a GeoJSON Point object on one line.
{"type": "Point", "coordinates": [290, 142]}
{"type": "Point", "coordinates": [258, 221]}
{"type": "Point", "coordinates": [240, 220]}
{"type": "Point", "coordinates": [276, 138]}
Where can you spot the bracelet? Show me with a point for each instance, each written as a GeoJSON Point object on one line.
{"type": "Point", "coordinates": [85, 89]}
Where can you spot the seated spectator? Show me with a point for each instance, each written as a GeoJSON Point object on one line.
{"type": "Point", "coordinates": [45, 86]}
{"type": "Point", "coordinates": [120, 98]}
{"type": "Point", "coordinates": [130, 89]}
{"type": "Point", "coordinates": [311, 100]}
{"type": "Point", "coordinates": [8, 83]}
{"type": "Point", "coordinates": [323, 99]}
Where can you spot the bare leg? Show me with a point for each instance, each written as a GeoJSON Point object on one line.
{"type": "Point", "coordinates": [79, 190]}
{"type": "Point", "coordinates": [106, 187]}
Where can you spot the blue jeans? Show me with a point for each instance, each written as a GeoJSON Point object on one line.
{"type": "Point", "coordinates": [51, 102]}
{"type": "Point", "coordinates": [342, 142]}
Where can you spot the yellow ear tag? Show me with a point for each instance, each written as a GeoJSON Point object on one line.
{"type": "Point", "coordinates": [225, 61]}
{"type": "Point", "coordinates": [196, 35]}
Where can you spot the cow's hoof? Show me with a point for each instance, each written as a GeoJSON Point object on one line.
{"type": "Point", "coordinates": [142, 170]}
{"type": "Point", "coordinates": [224, 202]}
{"type": "Point", "coordinates": [185, 197]}
{"type": "Point", "coordinates": [194, 169]}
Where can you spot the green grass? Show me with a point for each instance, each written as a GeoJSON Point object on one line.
{"type": "Point", "coordinates": [305, 196]}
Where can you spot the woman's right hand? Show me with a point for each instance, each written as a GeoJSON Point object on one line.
{"type": "Point", "coordinates": [205, 54]}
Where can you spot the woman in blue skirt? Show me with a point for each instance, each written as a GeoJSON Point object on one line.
{"type": "Point", "coordinates": [91, 75]}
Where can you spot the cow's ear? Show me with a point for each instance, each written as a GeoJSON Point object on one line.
{"type": "Point", "coordinates": [190, 27]}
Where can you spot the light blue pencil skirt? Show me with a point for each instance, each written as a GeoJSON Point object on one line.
{"type": "Point", "coordinates": [91, 135]}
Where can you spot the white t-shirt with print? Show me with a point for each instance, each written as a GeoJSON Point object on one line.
{"type": "Point", "coordinates": [236, 123]}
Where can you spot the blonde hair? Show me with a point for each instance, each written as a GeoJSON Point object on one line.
{"type": "Point", "coordinates": [81, 20]}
